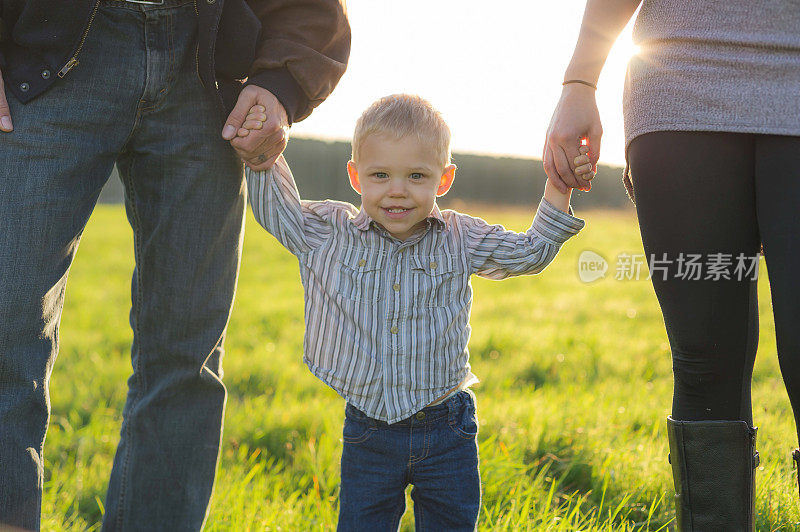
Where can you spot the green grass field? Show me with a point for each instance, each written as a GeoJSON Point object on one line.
{"type": "Point", "coordinates": [576, 386]}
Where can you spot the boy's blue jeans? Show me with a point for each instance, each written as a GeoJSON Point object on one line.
{"type": "Point", "coordinates": [134, 99]}
{"type": "Point", "coordinates": [436, 450]}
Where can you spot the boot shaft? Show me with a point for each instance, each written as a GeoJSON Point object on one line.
{"type": "Point", "coordinates": [713, 467]}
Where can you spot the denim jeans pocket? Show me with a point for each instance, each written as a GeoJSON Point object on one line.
{"type": "Point", "coordinates": [357, 430]}
{"type": "Point", "coordinates": [465, 423]}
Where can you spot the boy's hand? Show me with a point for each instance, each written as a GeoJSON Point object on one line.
{"type": "Point", "coordinates": [583, 166]}
{"type": "Point", "coordinates": [255, 119]}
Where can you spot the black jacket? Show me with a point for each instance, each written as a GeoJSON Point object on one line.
{"type": "Point", "coordinates": [296, 49]}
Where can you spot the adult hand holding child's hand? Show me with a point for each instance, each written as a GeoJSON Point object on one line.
{"type": "Point", "coordinates": [5, 112]}
{"type": "Point", "coordinates": [258, 137]}
{"type": "Point", "coordinates": [576, 117]}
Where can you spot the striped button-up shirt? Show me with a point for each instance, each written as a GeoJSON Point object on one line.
{"type": "Point", "coordinates": [387, 321]}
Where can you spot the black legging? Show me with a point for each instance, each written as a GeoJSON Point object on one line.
{"type": "Point", "coordinates": [707, 193]}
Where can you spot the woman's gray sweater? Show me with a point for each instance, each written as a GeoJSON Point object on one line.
{"type": "Point", "coordinates": [714, 65]}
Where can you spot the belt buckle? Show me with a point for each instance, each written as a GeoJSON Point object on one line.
{"type": "Point", "coordinates": [147, 2]}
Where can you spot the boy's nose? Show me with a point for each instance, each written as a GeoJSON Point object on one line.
{"type": "Point", "coordinates": [397, 189]}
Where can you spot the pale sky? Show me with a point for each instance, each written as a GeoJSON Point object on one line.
{"type": "Point", "coordinates": [494, 69]}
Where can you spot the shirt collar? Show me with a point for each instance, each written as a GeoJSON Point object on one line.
{"type": "Point", "coordinates": [363, 220]}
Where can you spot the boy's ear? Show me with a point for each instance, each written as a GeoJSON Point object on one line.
{"type": "Point", "coordinates": [352, 172]}
{"type": "Point", "coordinates": [447, 179]}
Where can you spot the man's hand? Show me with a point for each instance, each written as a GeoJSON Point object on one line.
{"type": "Point", "coordinates": [5, 113]}
{"type": "Point", "coordinates": [257, 146]}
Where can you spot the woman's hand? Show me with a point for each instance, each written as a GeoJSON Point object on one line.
{"type": "Point", "coordinates": [576, 117]}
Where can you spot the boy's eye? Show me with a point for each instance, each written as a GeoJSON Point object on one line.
{"type": "Point", "coordinates": [380, 175]}
{"type": "Point", "coordinates": [416, 175]}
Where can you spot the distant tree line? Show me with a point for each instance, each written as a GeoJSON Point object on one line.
{"type": "Point", "coordinates": [319, 169]}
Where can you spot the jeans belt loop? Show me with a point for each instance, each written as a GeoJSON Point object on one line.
{"type": "Point", "coordinates": [452, 406]}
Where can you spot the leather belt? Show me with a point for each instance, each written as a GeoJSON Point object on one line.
{"type": "Point", "coordinates": [146, 2]}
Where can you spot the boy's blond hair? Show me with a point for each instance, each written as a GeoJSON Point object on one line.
{"type": "Point", "coordinates": [401, 115]}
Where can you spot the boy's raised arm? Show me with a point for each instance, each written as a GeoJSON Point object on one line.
{"type": "Point", "coordinates": [300, 226]}
{"type": "Point", "coordinates": [496, 253]}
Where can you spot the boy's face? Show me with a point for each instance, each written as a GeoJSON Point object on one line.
{"type": "Point", "coordinates": [399, 180]}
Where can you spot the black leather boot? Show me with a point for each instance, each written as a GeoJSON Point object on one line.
{"type": "Point", "coordinates": [713, 466]}
{"type": "Point", "coordinates": [796, 458]}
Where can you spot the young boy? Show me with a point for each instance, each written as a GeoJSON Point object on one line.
{"type": "Point", "coordinates": [387, 304]}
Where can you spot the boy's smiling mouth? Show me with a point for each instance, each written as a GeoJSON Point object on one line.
{"type": "Point", "coordinates": [396, 212]}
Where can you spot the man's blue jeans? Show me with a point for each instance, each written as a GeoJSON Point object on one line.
{"type": "Point", "coordinates": [436, 450]}
{"type": "Point", "coordinates": [135, 99]}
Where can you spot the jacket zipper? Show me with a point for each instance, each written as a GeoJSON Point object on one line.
{"type": "Point", "coordinates": [73, 61]}
{"type": "Point", "coordinates": [197, 51]}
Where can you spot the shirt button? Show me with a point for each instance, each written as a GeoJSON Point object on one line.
{"type": "Point", "coordinates": [24, 87]}
{"type": "Point", "coordinates": [396, 287]}
{"type": "Point", "coordinates": [45, 74]}
{"type": "Point", "coordinates": [433, 265]}
{"type": "Point", "coordinates": [420, 415]}
{"type": "Point", "coordinates": [394, 329]}
{"type": "Point", "coordinates": [362, 262]}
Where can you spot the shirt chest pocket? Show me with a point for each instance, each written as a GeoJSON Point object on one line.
{"type": "Point", "coordinates": [434, 280]}
{"type": "Point", "coordinates": [360, 277]}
